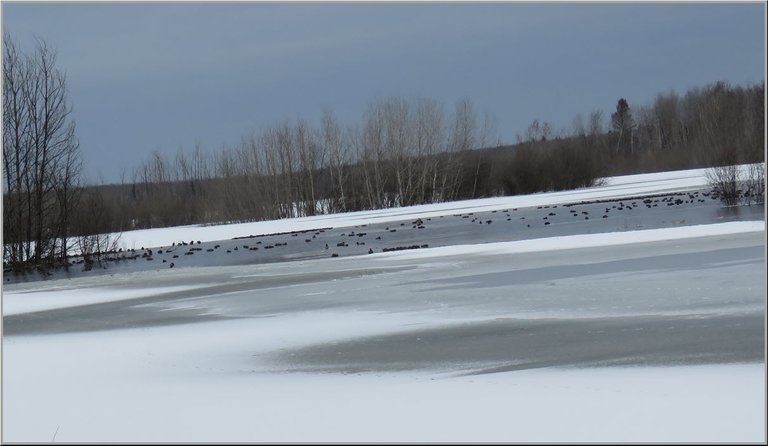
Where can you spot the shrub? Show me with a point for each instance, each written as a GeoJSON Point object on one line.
{"type": "Point", "coordinates": [755, 184]}
{"type": "Point", "coordinates": [724, 181]}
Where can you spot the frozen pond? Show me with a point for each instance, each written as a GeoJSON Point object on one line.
{"type": "Point", "coordinates": [694, 301]}
{"type": "Point", "coordinates": [666, 210]}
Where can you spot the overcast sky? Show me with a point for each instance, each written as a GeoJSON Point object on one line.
{"type": "Point", "coordinates": [146, 76]}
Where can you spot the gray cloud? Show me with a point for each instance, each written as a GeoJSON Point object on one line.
{"type": "Point", "coordinates": [144, 76]}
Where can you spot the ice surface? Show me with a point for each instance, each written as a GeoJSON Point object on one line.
{"type": "Point", "coordinates": [49, 298]}
{"type": "Point", "coordinates": [638, 336]}
{"type": "Point", "coordinates": [582, 241]}
{"type": "Point", "coordinates": [174, 384]}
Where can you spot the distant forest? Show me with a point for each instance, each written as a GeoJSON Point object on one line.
{"type": "Point", "coordinates": [401, 152]}
{"type": "Point", "coordinates": [405, 153]}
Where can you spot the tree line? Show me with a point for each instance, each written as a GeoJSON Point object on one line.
{"type": "Point", "coordinates": [414, 152]}
{"type": "Point", "coordinates": [715, 125]}
{"type": "Point", "coordinates": [401, 152]}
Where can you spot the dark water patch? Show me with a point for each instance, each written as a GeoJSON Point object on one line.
{"type": "Point", "coordinates": [519, 344]}
{"type": "Point", "coordinates": [75, 320]}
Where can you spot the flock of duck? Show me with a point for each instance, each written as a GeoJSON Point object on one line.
{"type": "Point", "coordinates": [393, 236]}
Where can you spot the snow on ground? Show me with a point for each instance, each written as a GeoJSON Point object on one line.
{"type": "Point", "coordinates": [185, 384]}
{"type": "Point", "coordinates": [614, 187]}
{"type": "Point", "coordinates": [48, 298]}
{"type": "Point", "coordinates": [207, 382]}
{"type": "Point", "coordinates": [579, 241]}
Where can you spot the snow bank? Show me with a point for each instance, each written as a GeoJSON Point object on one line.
{"type": "Point", "coordinates": [614, 187]}
{"type": "Point", "coordinates": [579, 241]}
{"type": "Point", "coordinates": [17, 302]}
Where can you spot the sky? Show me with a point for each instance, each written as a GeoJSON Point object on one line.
{"type": "Point", "coordinates": [159, 76]}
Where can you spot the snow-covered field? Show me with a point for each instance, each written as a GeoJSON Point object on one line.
{"type": "Point", "coordinates": [181, 384]}
{"type": "Point", "coordinates": [642, 336]}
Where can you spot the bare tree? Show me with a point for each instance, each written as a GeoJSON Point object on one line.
{"type": "Point", "coordinates": [68, 191]}
{"type": "Point", "coordinates": [373, 156]}
{"type": "Point", "coordinates": [666, 121]}
{"type": "Point", "coordinates": [396, 144]}
{"type": "Point", "coordinates": [338, 157]}
{"type": "Point", "coordinates": [16, 155]}
{"type": "Point", "coordinates": [462, 136]}
{"type": "Point", "coordinates": [40, 150]}
{"type": "Point", "coordinates": [94, 223]}
{"type": "Point", "coordinates": [310, 159]}
{"type": "Point", "coordinates": [428, 143]}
